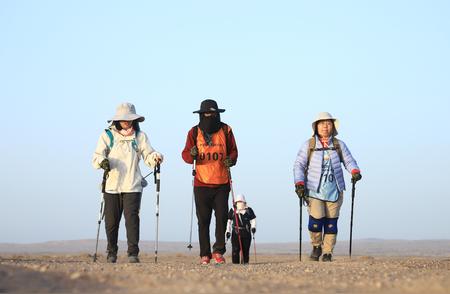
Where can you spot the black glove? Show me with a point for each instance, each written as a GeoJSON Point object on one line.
{"type": "Point", "coordinates": [300, 190]}
{"type": "Point", "coordinates": [253, 230]}
{"type": "Point", "coordinates": [105, 165]}
{"type": "Point", "coordinates": [228, 162]}
{"type": "Point", "coordinates": [194, 152]}
{"type": "Point", "coordinates": [301, 193]}
{"type": "Point", "coordinates": [228, 235]}
{"type": "Point", "coordinates": [356, 177]}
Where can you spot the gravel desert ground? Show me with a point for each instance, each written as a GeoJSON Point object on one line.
{"type": "Point", "coordinates": [181, 273]}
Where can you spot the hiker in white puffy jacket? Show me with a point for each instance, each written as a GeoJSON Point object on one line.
{"type": "Point", "coordinates": [120, 148]}
{"type": "Point", "coordinates": [319, 182]}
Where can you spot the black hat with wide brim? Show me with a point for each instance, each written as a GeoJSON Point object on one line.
{"type": "Point", "coordinates": [209, 105]}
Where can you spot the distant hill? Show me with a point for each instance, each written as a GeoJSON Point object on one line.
{"type": "Point", "coordinates": [370, 247]}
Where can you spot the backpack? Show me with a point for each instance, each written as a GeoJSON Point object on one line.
{"type": "Point", "coordinates": [226, 131]}
{"type": "Point", "coordinates": [312, 148]}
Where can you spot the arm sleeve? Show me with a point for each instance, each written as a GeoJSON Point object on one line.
{"type": "Point", "coordinates": [251, 213]}
{"type": "Point", "coordinates": [252, 218]}
{"type": "Point", "coordinates": [300, 163]}
{"type": "Point", "coordinates": [232, 150]}
{"type": "Point", "coordinates": [186, 153]}
{"type": "Point", "coordinates": [349, 162]}
{"type": "Point", "coordinates": [148, 153]}
{"type": "Point", "coordinates": [253, 223]}
{"type": "Point", "coordinates": [101, 150]}
{"type": "Point", "coordinates": [229, 228]}
{"type": "Point", "coordinates": [231, 214]}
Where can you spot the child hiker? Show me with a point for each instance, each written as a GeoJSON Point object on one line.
{"type": "Point", "coordinates": [246, 227]}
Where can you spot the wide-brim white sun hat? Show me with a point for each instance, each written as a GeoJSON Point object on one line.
{"type": "Point", "coordinates": [240, 197]}
{"type": "Point", "coordinates": [325, 116]}
{"type": "Point", "coordinates": [126, 111]}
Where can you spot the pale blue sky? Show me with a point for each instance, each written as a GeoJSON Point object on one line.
{"type": "Point", "coordinates": [381, 67]}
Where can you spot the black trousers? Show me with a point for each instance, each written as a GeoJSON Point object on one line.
{"type": "Point", "coordinates": [206, 200]}
{"type": "Point", "coordinates": [246, 238]}
{"type": "Point", "coordinates": [129, 204]}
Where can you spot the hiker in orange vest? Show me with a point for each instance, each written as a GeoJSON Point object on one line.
{"type": "Point", "coordinates": [211, 146]}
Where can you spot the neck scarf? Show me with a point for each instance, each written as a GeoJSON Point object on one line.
{"type": "Point", "coordinates": [127, 132]}
{"type": "Point", "coordinates": [210, 124]}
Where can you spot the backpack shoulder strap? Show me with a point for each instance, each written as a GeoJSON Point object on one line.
{"type": "Point", "coordinates": [311, 147]}
{"type": "Point", "coordinates": [226, 131]}
{"type": "Point", "coordinates": [337, 146]}
{"type": "Point", "coordinates": [111, 138]}
{"type": "Point", "coordinates": [135, 143]}
{"type": "Point", "coordinates": [195, 134]}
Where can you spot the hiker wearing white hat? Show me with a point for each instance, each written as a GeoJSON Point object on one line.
{"type": "Point", "coordinates": [246, 225]}
{"type": "Point", "coordinates": [319, 182]}
{"type": "Point", "coordinates": [119, 150]}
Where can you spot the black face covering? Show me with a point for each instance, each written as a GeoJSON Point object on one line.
{"type": "Point", "coordinates": [210, 124]}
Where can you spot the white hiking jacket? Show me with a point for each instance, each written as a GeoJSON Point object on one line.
{"type": "Point", "coordinates": [125, 175]}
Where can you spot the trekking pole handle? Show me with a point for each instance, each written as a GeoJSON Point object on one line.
{"type": "Point", "coordinates": [194, 167]}
{"type": "Point", "coordinates": [353, 189]}
{"type": "Point", "coordinates": [157, 172]}
{"type": "Point", "coordinates": [105, 177]}
{"type": "Point", "coordinates": [101, 214]}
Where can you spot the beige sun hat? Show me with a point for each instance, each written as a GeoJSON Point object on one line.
{"type": "Point", "coordinates": [326, 116]}
{"type": "Point", "coordinates": [126, 111]}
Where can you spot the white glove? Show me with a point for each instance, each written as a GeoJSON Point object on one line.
{"type": "Point", "coordinates": [156, 157]}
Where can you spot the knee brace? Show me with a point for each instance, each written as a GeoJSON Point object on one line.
{"type": "Point", "coordinates": [315, 225]}
{"type": "Point", "coordinates": [330, 226]}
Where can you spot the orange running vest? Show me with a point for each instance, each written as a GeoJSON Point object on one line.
{"type": "Point", "coordinates": [210, 168]}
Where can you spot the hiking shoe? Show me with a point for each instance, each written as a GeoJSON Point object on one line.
{"type": "Point", "coordinates": [326, 257]}
{"type": "Point", "coordinates": [205, 260]}
{"type": "Point", "coordinates": [133, 259]}
{"type": "Point", "coordinates": [316, 253]}
{"type": "Point", "coordinates": [111, 258]}
{"type": "Point", "coordinates": [218, 258]}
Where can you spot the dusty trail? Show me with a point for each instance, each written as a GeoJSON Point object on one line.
{"type": "Point", "coordinates": [179, 273]}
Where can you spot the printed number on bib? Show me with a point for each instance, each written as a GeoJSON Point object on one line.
{"type": "Point", "coordinates": [212, 156]}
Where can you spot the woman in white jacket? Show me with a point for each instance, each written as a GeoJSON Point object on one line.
{"type": "Point", "coordinates": [120, 148]}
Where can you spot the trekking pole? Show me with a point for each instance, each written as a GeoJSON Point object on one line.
{"type": "Point", "coordinates": [351, 218]}
{"type": "Point", "coordinates": [148, 175]}
{"type": "Point", "coordinates": [254, 247]}
{"type": "Point", "coordinates": [192, 204]}
{"type": "Point", "coordinates": [156, 173]}
{"type": "Point", "coordinates": [101, 214]}
{"type": "Point", "coordinates": [144, 182]}
{"type": "Point", "coordinates": [100, 218]}
{"type": "Point", "coordinates": [300, 233]}
{"type": "Point", "coordinates": [236, 218]}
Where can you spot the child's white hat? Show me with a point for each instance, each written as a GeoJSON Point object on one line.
{"type": "Point", "coordinates": [240, 197]}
